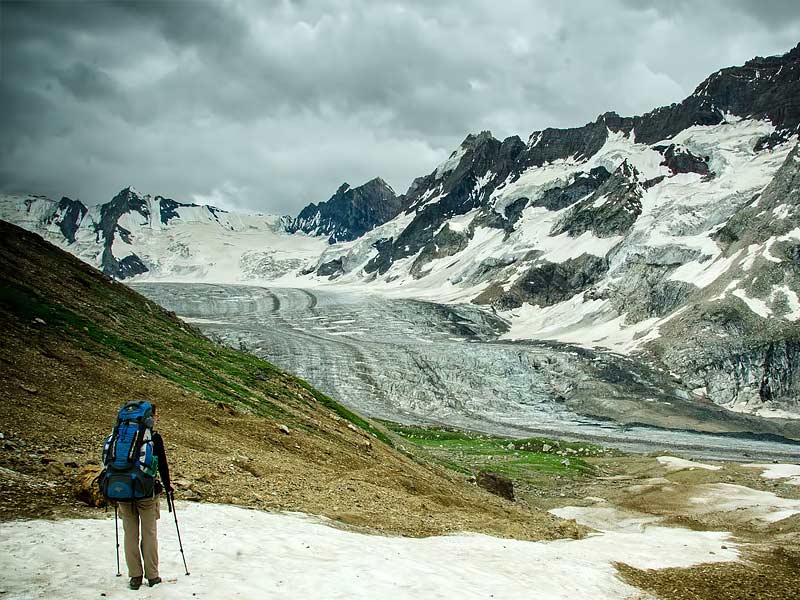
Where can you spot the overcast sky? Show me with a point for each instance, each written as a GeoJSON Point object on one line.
{"type": "Point", "coordinates": [267, 106]}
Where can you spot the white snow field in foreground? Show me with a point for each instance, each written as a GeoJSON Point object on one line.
{"type": "Point", "coordinates": [239, 553]}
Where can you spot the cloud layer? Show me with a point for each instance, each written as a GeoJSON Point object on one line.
{"type": "Point", "coordinates": [270, 105]}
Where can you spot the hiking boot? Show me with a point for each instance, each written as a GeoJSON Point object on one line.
{"type": "Point", "coordinates": [135, 583]}
{"type": "Point", "coordinates": [154, 581]}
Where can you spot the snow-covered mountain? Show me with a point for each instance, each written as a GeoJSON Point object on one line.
{"type": "Point", "coordinates": [350, 212]}
{"type": "Point", "coordinates": [137, 235]}
{"type": "Point", "coordinates": [673, 233]}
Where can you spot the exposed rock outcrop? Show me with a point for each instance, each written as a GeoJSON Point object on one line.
{"type": "Point", "coordinates": [350, 212]}
{"type": "Point", "coordinates": [610, 211]}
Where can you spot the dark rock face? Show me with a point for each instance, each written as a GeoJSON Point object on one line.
{"type": "Point", "coordinates": [558, 198]}
{"type": "Point", "coordinates": [611, 210]}
{"type": "Point", "coordinates": [68, 216]}
{"type": "Point", "coordinates": [169, 208]}
{"type": "Point", "coordinates": [350, 212]}
{"type": "Point", "coordinates": [761, 88]}
{"type": "Point", "coordinates": [332, 268]}
{"type": "Point", "coordinates": [121, 269]}
{"type": "Point", "coordinates": [496, 484]}
{"type": "Point", "coordinates": [768, 142]}
{"type": "Point", "coordinates": [445, 243]}
{"type": "Point", "coordinates": [767, 371]}
{"type": "Point", "coordinates": [125, 202]}
{"type": "Point", "coordinates": [680, 160]}
{"type": "Point", "coordinates": [647, 291]}
{"type": "Point", "coordinates": [486, 163]}
{"type": "Point", "coordinates": [581, 142]}
{"type": "Point", "coordinates": [548, 283]}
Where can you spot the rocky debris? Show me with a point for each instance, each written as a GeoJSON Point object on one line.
{"type": "Point", "coordinates": [250, 466]}
{"type": "Point", "coordinates": [497, 484]}
{"type": "Point", "coordinates": [350, 212]}
{"type": "Point", "coordinates": [681, 160]}
{"type": "Point", "coordinates": [283, 429]}
{"type": "Point", "coordinates": [86, 486]}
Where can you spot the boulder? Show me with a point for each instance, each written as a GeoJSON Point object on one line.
{"type": "Point", "coordinates": [496, 484]}
{"type": "Point", "coordinates": [86, 487]}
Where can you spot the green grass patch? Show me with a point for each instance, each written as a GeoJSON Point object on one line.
{"type": "Point", "coordinates": [524, 459]}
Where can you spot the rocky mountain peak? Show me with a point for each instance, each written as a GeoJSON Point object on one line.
{"type": "Point", "coordinates": [127, 200]}
{"type": "Point", "coordinates": [474, 140]}
{"type": "Point", "coordinates": [350, 212]}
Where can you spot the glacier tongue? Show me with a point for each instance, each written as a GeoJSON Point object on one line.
{"type": "Point", "coordinates": [417, 361]}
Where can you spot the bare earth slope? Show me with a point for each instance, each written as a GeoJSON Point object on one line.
{"type": "Point", "coordinates": [77, 345]}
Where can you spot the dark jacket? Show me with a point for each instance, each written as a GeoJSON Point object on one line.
{"type": "Point", "coordinates": [163, 467]}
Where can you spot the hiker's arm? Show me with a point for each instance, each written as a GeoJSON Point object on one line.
{"type": "Point", "coordinates": [163, 468]}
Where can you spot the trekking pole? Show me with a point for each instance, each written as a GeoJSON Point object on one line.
{"type": "Point", "coordinates": [116, 533]}
{"type": "Point", "coordinates": [171, 507]}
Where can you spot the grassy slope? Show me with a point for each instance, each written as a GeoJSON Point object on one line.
{"type": "Point", "coordinates": [76, 346]}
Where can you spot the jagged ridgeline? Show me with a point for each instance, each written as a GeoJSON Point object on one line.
{"type": "Point", "coordinates": [76, 345]}
{"type": "Point", "coordinates": [672, 235]}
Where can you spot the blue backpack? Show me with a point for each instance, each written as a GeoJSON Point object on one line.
{"type": "Point", "coordinates": [129, 461]}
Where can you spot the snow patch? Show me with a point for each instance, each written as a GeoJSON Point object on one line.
{"type": "Point", "coordinates": [779, 471]}
{"type": "Point", "coordinates": [726, 497]}
{"type": "Point", "coordinates": [235, 552]}
{"type": "Point", "coordinates": [679, 464]}
{"type": "Point", "coordinates": [703, 274]}
{"type": "Point", "coordinates": [451, 163]}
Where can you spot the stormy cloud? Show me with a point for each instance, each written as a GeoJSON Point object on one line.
{"type": "Point", "coordinates": [270, 105]}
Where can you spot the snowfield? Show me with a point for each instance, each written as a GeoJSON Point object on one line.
{"type": "Point", "coordinates": [239, 553]}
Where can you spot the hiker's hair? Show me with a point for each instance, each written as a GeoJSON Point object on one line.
{"type": "Point", "coordinates": [155, 408]}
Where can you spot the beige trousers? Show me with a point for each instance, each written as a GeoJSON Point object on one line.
{"type": "Point", "coordinates": [140, 517]}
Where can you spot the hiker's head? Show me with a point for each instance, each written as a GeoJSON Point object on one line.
{"type": "Point", "coordinates": [155, 412]}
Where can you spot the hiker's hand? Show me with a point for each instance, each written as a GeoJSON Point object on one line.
{"type": "Point", "coordinates": [170, 489]}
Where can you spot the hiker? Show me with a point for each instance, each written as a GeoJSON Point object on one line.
{"type": "Point", "coordinates": [130, 480]}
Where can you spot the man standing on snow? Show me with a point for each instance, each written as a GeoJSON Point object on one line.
{"type": "Point", "coordinates": [140, 517]}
